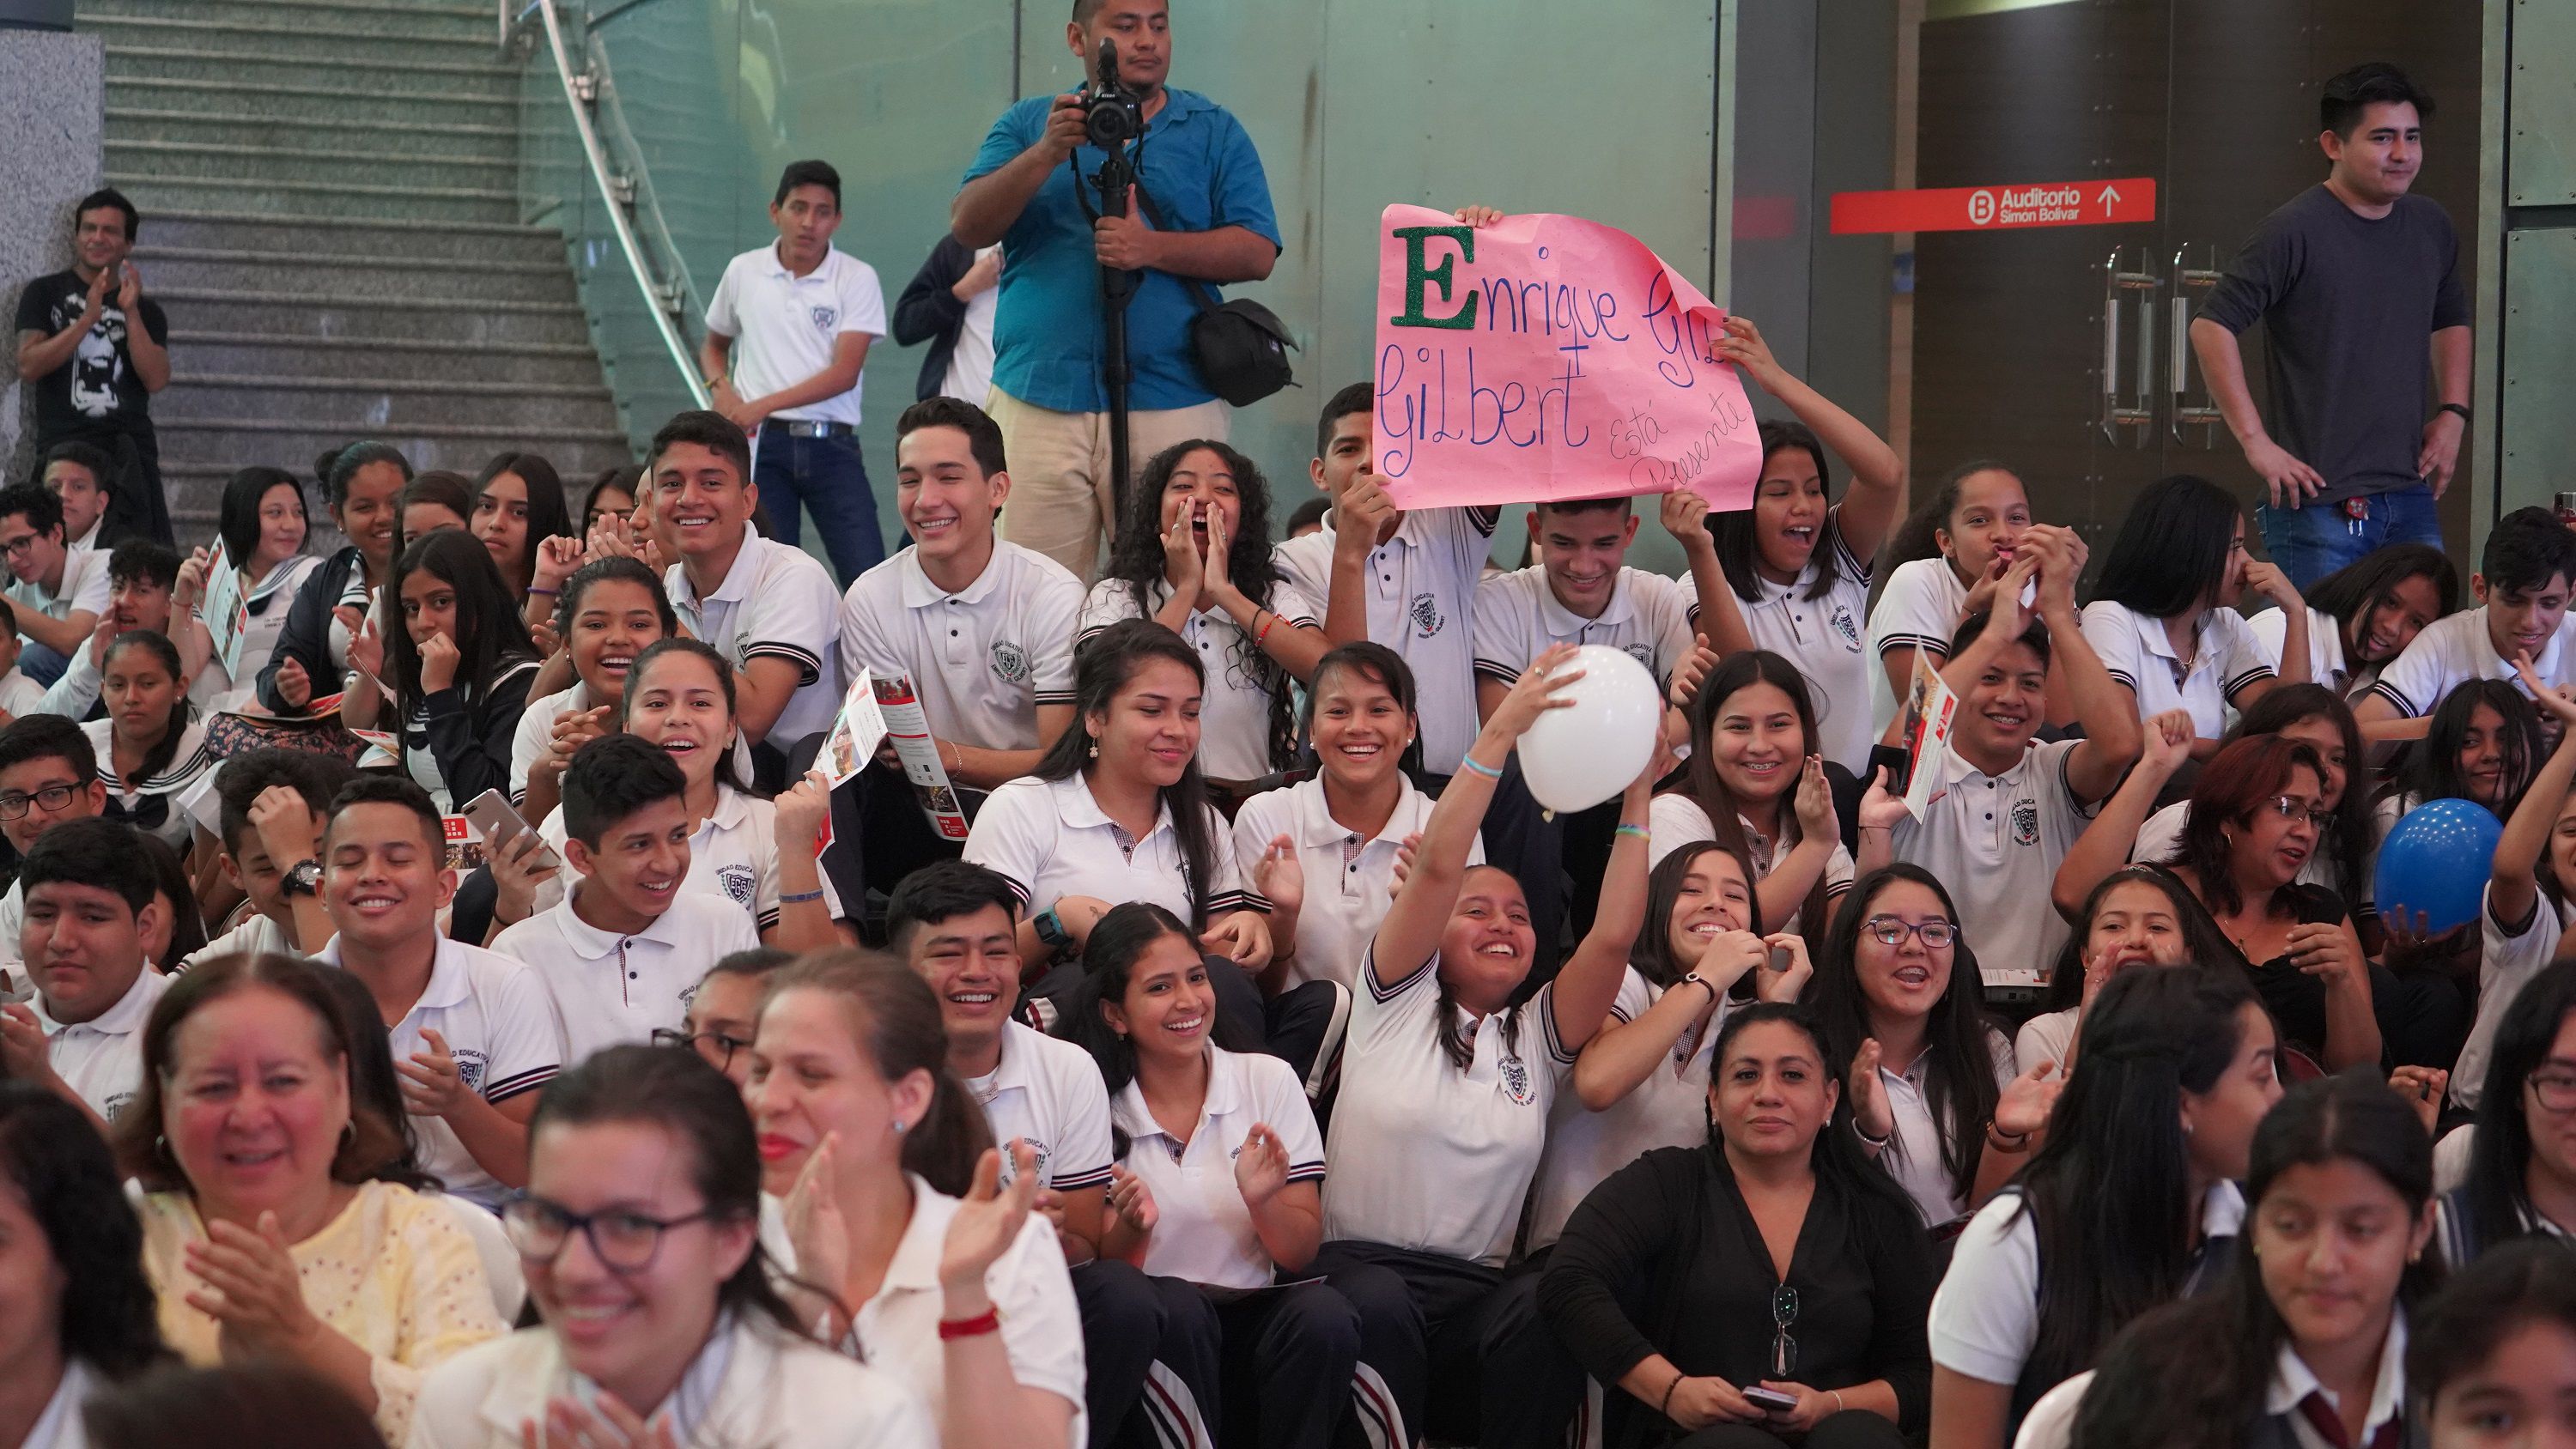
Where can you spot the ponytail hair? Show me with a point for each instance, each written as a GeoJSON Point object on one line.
{"type": "Point", "coordinates": [1918, 537]}
{"type": "Point", "coordinates": [159, 757]}
{"type": "Point", "coordinates": [1109, 957]}
{"type": "Point", "coordinates": [895, 1018]}
{"type": "Point", "coordinates": [338, 465]}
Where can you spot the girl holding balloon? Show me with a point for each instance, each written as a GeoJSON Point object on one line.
{"type": "Point", "coordinates": [2482, 744]}
{"type": "Point", "coordinates": [2525, 913]}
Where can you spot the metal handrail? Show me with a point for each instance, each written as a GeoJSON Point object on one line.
{"type": "Point", "coordinates": [656, 300]}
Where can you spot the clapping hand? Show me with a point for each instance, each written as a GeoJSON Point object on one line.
{"type": "Point", "coordinates": [1261, 1167]}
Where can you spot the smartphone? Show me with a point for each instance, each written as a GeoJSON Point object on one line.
{"type": "Point", "coordinates": [1779, 959]}
{"type": "Point", "coordinates": [492, 814]}
{"type": "Point", "coordinates": [1770, 1400]}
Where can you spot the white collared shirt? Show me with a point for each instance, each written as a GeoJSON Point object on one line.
{"type": "Point", "coordinates": [981, 660]}
{"type": "Point", "coordinates": [84, 586]}
{"type": "Point", "coordinates": [1421, 587]}
{"type": "Point", "coordinates": [1996, 841]}
{"type": "Point", "coordinates": [1235, 706]}
{"type": "Point", "coordinates": [536, 732]}
{"type": "Point", "coordinates": [775, 602]}
{"type": "Point", "coordinates": [60, 1426]}
{"type": "Point", "coordinates": [785, 327]}
{"type": "Point", "coordinates": [257, 935]}
{"type": "Point", "coordinates": [1919, 609]}
{"type": "Point", "coordinates": [190, 762]}
{"type": "Point", "coordinates": [1048, 1094]}
{"type": "Point", "coordinates": [2325, 649]}
{"type": "Point", "coordinates": [1051, 838]}
{"type": "Point", "coordinates": [1648, 618]}
{"type": "Point", "coordinates": [1425, 1156]}
{"type": "Point", "coordinates": [2454, 650]}
{"type": "Point", "coordinates": [1348, 879]}
{"type": "Point", "coordinates": [1205, 1234]}
{"type": "Point", "coordinates": [265, 604]}
{"type": "Point", "coordinates": [1675, 820]}
{"type": "Point", "coordinates": [733, 854]}
{"type": "Point", "coordinates": [1823, 638]}
{"type": "Point", "coordinates": [611, 989]}
{"type": "Point", "coordinates": [898, 1329]}
{"type": "Point", "coordinates": [1668, 1109]}
{"type": "Point", "coordinates": [2292, 1380]}
{"type": "Point", "coordinates": [2225, 658]}
{"type": "Point", "coordinates": [2510, 955]}
{"type": "Point", "coordinates": [1913, 1152]}
{"type": "Point", "coordinates": [101, 1059]}
{"type": "Point", "coordinates": [500, 1026]}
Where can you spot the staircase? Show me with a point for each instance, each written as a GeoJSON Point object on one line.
{"type": "Point", "coordinates": [329, 192]}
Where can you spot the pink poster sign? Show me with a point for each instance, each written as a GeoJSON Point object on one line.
{"type": "Point", "coordinates": [1549, 357]}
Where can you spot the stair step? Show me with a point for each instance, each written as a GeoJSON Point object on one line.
{"type": "Point", "coordinates": [155, 192]}
{"type": "Point", "coordinates": [470, 387]}
{"type": "Point", "coordinates": [558, 324]}
{"type": "Point", "coordinates": [303, 41]}
{"type": "Point", "coordinates": [230, 443]}
{"type": "Point", "coordinates": [382, 169]}
{"type": "Point", "coordinates": [408, 278]}
{"type": "Point", "coordinates": [375, 236]}
{"type": "Point", "coordinates": [505, 412]}
{"type": "Point", "coordinates": [375, 107]}
{"type": "Point", "coordinates": [282, 130]}
{"type": "Point", "coordinates": [460, 22]}
{"type": "Point", "coordinates": [307, 75]}
{"type": "Point", "coordinates": [401, 358]}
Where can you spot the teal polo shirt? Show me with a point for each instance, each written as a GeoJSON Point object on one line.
{"type": "Point", "coordinates": [1047, 334]}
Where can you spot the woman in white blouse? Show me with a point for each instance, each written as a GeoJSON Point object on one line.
{"type": "Point", "coordinates": [1193, 555]}
{"type": "Point", "coordinates": [639, 1231]}
{"type": "Point", "coordinates": [892, 1207]}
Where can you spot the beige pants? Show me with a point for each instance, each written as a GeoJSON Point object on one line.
{"type": "Point", "coordinates": [1062, 498]}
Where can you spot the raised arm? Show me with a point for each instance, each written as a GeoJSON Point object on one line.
{"type": "Point", "coordinates": [1869, 507]}
{"type": "Point", "coordinates": [2104, 846]}
{"type": "Point", "coordinates": [986, 206]}
{"type": "Point", "coordinates": [1581, 996]}
{"type": "Point", "coordinates": [2113, 736]}
{"type": "Point", "coordinates": [2512, 887]}
{"type": "Point", "coordinates": [1359, 515]}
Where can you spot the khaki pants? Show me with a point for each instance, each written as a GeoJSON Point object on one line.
{"type": "Point", "coordinates": [1062, 498]}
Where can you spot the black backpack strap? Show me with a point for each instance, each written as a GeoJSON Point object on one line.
{"type": "Point", "coordinates": [1201, 295]}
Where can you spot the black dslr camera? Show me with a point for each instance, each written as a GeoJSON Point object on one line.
{"type": "Point", "coordinates": [1112, 116]}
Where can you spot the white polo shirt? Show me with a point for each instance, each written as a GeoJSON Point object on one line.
{"type": "Point", "coordinates": [257, 935]}
{"type": "Point", "coordinates": [158, 794]}
{"type": "Point", "coordinates": [101, 1060]}
{"type": "Point", "coordinates": [2325, 649]}
{"type": "Point", "coordinates": [2455, 649]}
{"type": "Point", "coordinates": [84, 587]}
{"type": "Point", "coordinates": [1427, 1157]}
{"type": "Point", "coordinates": [785, 326]}
{"type": "Point", "coordinates": [1913, 1153]}
{"type": "Point", "coordinates": [1996, 841]}
{"type": "Point", "coordinates": [2226, 657]}
{"type": "Point", "coordinates": [982, 659]}
{"type": "Point", "coordinates": [1648, 619]}
{"type": "Point", "coordinates": [536, 732]}
{"type": "Point", "coordinates": [1348, 879]}
{"type": "Point", "coordinates": [1205, 1234]}
{"type": "Point", "coordinates": [1668, 1109]}
{"type": "Point", "coordinates": [1234, 708]}
{"type": "Point", "coordinates": [500, 1026]}
{"type": "Point", "coordinates": [1048, 1094]}
{"type": "Point", "coordinates": [897, 1331]}
{"type": "Point", "coordinates": [2509, 956]}
{"type": "Point", "coordinates": [1421, 587]}
{"type": "Point", "coordinates": [1919, 609]}
{"type": "Point", "coordinates": [1051, 839]}
{"type": "Point", "coordinates": [1823, 638]}
{"type": "Point", "coordinates": [776, 601]}
{"type": "Point", "coordinates": [1675, 820]}
{"type": "Point", "coordinates": [734, 854]}
{"type": "Point", "coordinates": [611, 989]}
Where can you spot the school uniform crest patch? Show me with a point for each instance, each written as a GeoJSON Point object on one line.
{"type": "Point", "coordinates": [1516, 1082]}
{"type": "Point", "coordinates": [2025, 822]}
{"type": "Point", "coordinates": [824, 317]}
{"type": "Point", "coordinates": [470, 1065]}
{"type": "Point", "coordinates": [1845, 626]}
{"type": "Point", "coordinates": [738, 881]}
{"type": "Point", "coordinates": [1010, 662]}
{"type": "Point", "coordinates": [1426, 616]}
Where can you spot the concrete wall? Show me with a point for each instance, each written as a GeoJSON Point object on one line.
{"type": "Point", "coordinates": [52, 111]}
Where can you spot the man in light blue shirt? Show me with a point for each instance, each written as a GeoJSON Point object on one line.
{"type": "Point", "coordinates": [1049, 392]}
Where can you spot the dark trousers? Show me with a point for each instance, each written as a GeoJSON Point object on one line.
{"type": "Point", "coordinates": [1271, 1368]}
{"type": "Point", "coordinates": [135, 501]}
{"type": "Point", "coordinates": [1458, 1347]}
{"type": "Point", "coordinates": [1129, 1320]}
{"type": "Point", "coordinates": [1850, 1429]}
{"type": "Point", "coordinates": [827, 477]}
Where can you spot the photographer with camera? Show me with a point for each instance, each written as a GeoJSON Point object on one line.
{"type": "Point", "coordinates": [1203, 217]}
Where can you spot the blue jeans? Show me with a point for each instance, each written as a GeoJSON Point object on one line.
{"type": "Point", "coordinates": [827, 476]}
{"type": "Point", "coordinates": [2312, 542]}
{"type": "Point", "coordinates": [42, 663]}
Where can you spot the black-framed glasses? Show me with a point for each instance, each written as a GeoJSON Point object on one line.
{"type": "Point", "coordinates": [2294, 810]}
{"type": "Point", "coordinates": [622, 1239]}
{"type": "Point", "coordinates": [2556, 1090]}
{"type": "Point", "coordinates": [1784, 1349]}
{"type": "Point", "coordinates": [52, 797]}
{"type": "Point", "coordinates": [17, 547]}
{"type": "Point", "coordinates": [715, 1046]}
{"type": "Point", "coordinates": [1892, 931]}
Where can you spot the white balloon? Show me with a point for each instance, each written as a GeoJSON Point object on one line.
{"type": "Point", "coordinates": [1575, 758]}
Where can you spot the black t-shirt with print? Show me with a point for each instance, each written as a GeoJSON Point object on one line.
{"type": "Point", "coordinates": [96, 389]}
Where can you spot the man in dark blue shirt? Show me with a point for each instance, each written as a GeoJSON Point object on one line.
{"type": "Point", "coordinates": [1049, 393]}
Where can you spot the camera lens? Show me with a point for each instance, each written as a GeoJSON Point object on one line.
{"type": "Point", "coordinates": [1110, 121]}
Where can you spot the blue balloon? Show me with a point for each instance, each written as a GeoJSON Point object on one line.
{"type": "Point", "coordinates": [2436, 860]}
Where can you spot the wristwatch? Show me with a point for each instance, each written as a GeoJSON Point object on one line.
{"type": "Point", "coordinates": [304, 878]}
{"type": "Point", "coordinates": [1051, 931]}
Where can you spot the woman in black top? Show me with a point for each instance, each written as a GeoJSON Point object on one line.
{"type": "Point", "coordinates": [1772, 1259]}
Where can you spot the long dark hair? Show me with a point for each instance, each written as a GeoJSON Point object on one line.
{"type": "Point", "coordinates": [675, 1090]}
{"type": "Point", "coordinates": [187, 922]}
{"type": "Point", "coordinates": [1700, 783]}
{"type": "Point", "coordinates": [2353, 591]}
{"type": "Point", "coordinates": [699, 648]}
{"type": "Point", "coordinates": [2172, 550]}
{"type": "Point", "coordinates": [267, 1403]}
{"type": "Point", "coordinates": [1109, 957]}
{"type": "Point", "coordinates": [165, 749]}
{"type": "Point", "coordinates": [1136, 562]}
{"type": "Point", "coordinates": [2230, 788]}
{"type": "Point", "coordinates": [2195, 1371]}
{"type": "Point", "coordinates": [373, 1082]}
{"type": "Point", "coordinates": [1739, 553]}
{"type": "Point", "coordinates": [1918, 536]}
{"type": "Point", "coordinates": [1652, 955]}
{"type": "Point", "coordinates": [2348, 841]}
{"type": "Point", "coordinates": [1959, 1058]}
{"type": "Point", "coordinates": [110, 1317]}
{"type": "Point", "coordinates": [548, 517]}
{"type": "Point", "coordinates": [491, 639]}
{"type": "Point", "coordinates": [895, 1019]}
{"type": "Point", "coordinates": [1835, 1156]}
{"type": "Point", "coordinates": [2108, 1192]}
{"type": "Point", "coordinates": [2432, 770]}
{"type": "Point", "coordinates": [448, 490]}
{"type": "Point", "coordinates": [2494, 1193]}
{"type": "Point", "coordinates": [238, 515]}
{"type": "Point", "coordinates": [2479, 1306]}
{"type": "Point", "coordinates": [1102, 667]}
{"type": "Point", "coordinates": [2200, 936]}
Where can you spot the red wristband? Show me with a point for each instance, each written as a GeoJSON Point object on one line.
{"type": "Point", "coordinates": [984, 1322]}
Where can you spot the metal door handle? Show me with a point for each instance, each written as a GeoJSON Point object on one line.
{"type": "Point", "coordinates": [2187, 279]}
{"type": "Point", "coordinates": [2121, 409]}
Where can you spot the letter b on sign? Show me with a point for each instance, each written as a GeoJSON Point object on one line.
{"type": "Point", "coordinates": [1418, 277]}
{"type": "Point", "coordinates": [1981, 207]}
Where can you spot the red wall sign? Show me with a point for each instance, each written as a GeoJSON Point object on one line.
{"type": "Point", "coordinates": [1996, 208]}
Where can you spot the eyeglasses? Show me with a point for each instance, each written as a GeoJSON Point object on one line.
{"type": "Point", "coordinates": [53, 797]}
{"type": "Point", "coordinates": [1784, 1349]}
{"type": "Point", "coordinates": [2296, 810]}
{"type": "Point", "coordinates": [715, 1046]}
{"type": "Point", "coordinates": [1892, 931]}
{"type": "Point", "coordinates": [624, 1241]}
{"type": "Point", "coordinates": [16, 547]}
{"type": "Point", "coordinates": [2556, 1090]}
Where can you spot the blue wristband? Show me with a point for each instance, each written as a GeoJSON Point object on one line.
{"type": "Point", "coordinates": [1470, 762]}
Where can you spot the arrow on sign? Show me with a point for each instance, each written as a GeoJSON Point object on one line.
{"type": "Point", "coordinates": [2109, 198]}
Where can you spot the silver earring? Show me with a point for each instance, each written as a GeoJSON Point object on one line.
{"type": "Point", "coordinates": [899, 1125]}
{"type": "Point", "coordinates": [1092, 750]}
